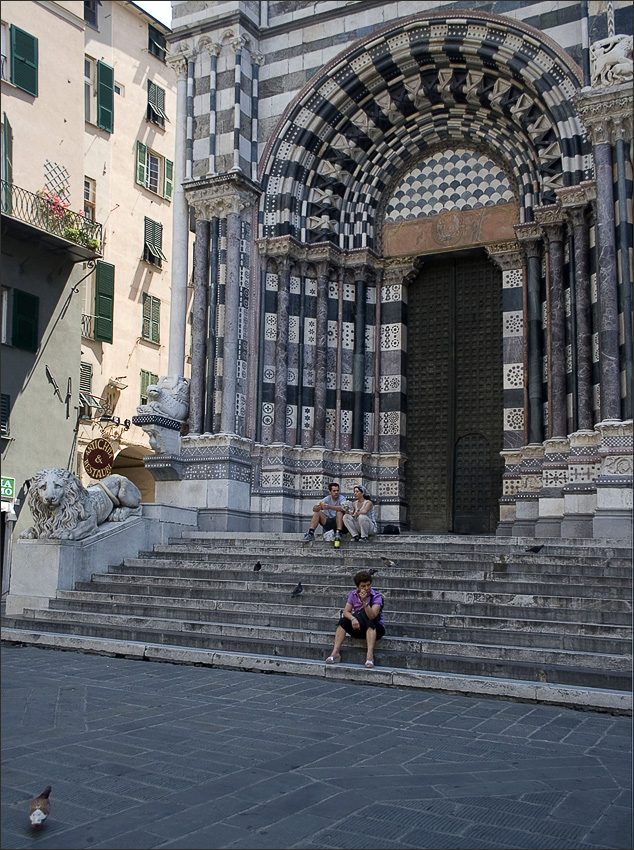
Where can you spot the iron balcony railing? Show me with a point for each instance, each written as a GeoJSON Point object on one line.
{"type": "Point", "coordinates": [88, 326]}
{"type": "Point", "coordinates": [51, 214]}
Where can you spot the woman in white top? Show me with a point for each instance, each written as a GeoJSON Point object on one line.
{"type": "Point", "coordinates": [360, 522]}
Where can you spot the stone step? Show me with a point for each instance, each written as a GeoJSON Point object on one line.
{"type": "Point", "coordinates": [402, 624]}
{"type": "Point", "coordinates": [619, 613]}
{"type": "Point", "coordinates": [497, 662]}
{"type": "Point", "coordinates": [388, 575]}
{"type": "Point", "coordinates": [392, 588]}
{"type": "Point", "coordinates": [414, 600]}
{"type": "Point", "coordinates": [283, 636]}
{"type": "Point", "coordinates": [572, 696]}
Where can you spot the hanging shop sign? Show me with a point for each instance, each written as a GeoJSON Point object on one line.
{"type": "Point", "coordinates": [8, 488]}
{"type": "Point", "coordinates": [98, 458]}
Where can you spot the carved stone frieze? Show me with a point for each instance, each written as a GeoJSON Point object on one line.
{"type": "Point", "coordinates": [606, 112]}
{"type": "Point", "coordinates": [611, 61]}
{"type": "Point", "coordinates": [506, 255]}
{"type": "Point", "coordinates": [221, 196]}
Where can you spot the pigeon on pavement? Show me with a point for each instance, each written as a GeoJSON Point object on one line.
{"type": "Point", "coordinates": [40, 807]}
{"type": "Point", "coordinates": [534, 548]}
{"type": "Point", "coordinates": [298, 590]}
{"type": "Point", "coordinates": [258, 566]}
{"type": "Point", "coordinates": [387, 561]}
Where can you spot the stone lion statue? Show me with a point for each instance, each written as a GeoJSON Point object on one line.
{"type": "Point", "coordinates": [170, 398]}
{"type": "Point", "coordinates": [63, 509]}
{"type": "Point", "coordinates": [611, 60]}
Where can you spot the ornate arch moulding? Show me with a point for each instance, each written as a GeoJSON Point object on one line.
{"type": "Point", "coordinates": [525, 90]}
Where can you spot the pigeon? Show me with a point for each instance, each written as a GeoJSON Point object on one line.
{"type": "Point", "coordinates": [298, 590]}
{"type": "Point", "coordinates": [39, 808]}
{"type": "Point", "coordinates": [372, 571]}
{"type": "Point", "coordinates": [387, 561]}
{"type": "Point", "coordinates": [534, 548]}
{"type": "Point", "coordinates": [258, 566]}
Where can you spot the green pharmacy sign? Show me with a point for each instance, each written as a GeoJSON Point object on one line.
{"type": "Point", "coordinates": [8, 488]}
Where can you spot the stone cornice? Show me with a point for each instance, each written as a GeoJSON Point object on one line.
{"type": "Point", "coordinates": [221, 196]}
{"type": "Point", "coordinates": [607, 112]}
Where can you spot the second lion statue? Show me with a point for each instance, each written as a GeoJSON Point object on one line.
{"type": "Point", "coordinates": [63, 509]}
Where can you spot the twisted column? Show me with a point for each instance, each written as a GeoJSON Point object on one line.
{"type": "Point", "coordinates": [199, 326]}
{"type": "Point", "coordinates": [321, 354]}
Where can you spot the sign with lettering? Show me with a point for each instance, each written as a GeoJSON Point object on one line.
{"type": "Point", "coordinates": [8, 488]}
{"type": "Point", "coordinates": [98, 458]}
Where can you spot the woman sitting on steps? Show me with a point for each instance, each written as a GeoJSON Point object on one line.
{"type": "Point", "coordinates": [361, 522]}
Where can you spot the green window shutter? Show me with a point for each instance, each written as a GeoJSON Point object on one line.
{"type": "Point", "coordinates": [141, 160]}
{"type": "Point", "coordinates": [23, 60]}
{"type": "Point", "coordinates": [105, 96]}
{"type": "Point", "coordinates": [26, 309]}
{"type": "Point", "coordinates": [7, 160]}
{"type": "Point", "coordinates": [154, 238]}
{"type": "Point", "coordinates": [104, 301]}
{"type": "Point", "coordinates": [151, 317]}
{"type": "Point", "coordinates": [147, 379]}
{"type": "Point", "coordinates": [5, 413]}
{"type": "Point", "coordinates": [169, 180]}
{"type": "Point", "coordinates": [156, 100]}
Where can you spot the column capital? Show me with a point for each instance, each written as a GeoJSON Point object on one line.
{"type": "Point", "coordinates": [257, 58]}
{"type": "Point", "coordinates": [506, 255]}
{"type": "Point", "coordinates": [178, 63]}
{"type": "Point", "coordinates": [606, 112]}
{"type": "Point", "coordinates": [208, 45]}
{"type": "Point", "coordinates": [577, 196]}
{"type": "Point", "coordinates": [237, 42]}
{"type": "Point", "coordinates": [551, 219]}
{"type": "Point", "coordinates": [530, 237]}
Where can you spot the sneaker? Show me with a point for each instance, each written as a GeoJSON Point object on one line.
{"type": "Point", "coordinates": [363, 540]}
{"type": "Point", "coordinates": [310, 535]}
{"type": "Point", "coordinates": [355, 539]}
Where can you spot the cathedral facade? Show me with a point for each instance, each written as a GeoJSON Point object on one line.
{"type": "Point", "coordinates": [412, 229]}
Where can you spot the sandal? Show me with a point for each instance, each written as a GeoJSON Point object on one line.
{"type": "Point", "coordinates": [369, 663]}
{"type": "Point", "coordinates": [332, 660]}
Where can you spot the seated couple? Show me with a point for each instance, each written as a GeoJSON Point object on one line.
{"type": "Point", "coordinates": [334, 512]}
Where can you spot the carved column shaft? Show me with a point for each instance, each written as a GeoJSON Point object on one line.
{"type": "Point", "coordinates": [554, 234]}
{"type": "Point", "coordinates": [624, 242]}
{"type": "Point", "coordinates": [180, 230]}
{"type": "Point", "coordinates": [281, 353]}
{"type": "Point", "coordinates": [607, 285]}
{"type": "Point", "coordinates": [232, 299]}
{"type": "Point", "coordinates": [583, 316]}
{"type": "Point", "coordinates": [199, 327]}
{"type": "Point", "coordinates": [529, 235]}
{"type": "Point", "coordinates": [321, 354]}
{"type": "Point", "coordinates": [358, 368]}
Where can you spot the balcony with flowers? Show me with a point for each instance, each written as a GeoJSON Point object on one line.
{"type": "Point", "coordinates": [47, 216]}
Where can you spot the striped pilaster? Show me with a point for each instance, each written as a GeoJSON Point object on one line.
{"type": "Point", "coordinates": [393, 347]}
{"type": "Point", "coordinates": [237, 44]}
{"type": "Point", "coordinates": [333, 358]}
{"type": "Point", "coordinates": [189, 147]}
{"type": "Point", "coordinates": [309, 337]}
{"type": "Point", "coordinates": [214, 50]}
{"type": "Point", "coordinates": [267, 351]}
{"type": "Point", "coordinates": [293, 356]}
{"type": "Point", "coordinates": [257, 59]}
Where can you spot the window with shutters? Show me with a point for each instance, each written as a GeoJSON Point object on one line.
{"type": "Point", "coordinates": [7, 165]}
{"type": "Point", "coordinates": [156, 43]}
{"type": "Point", "coordinates": [5, 413]}
{"type": "Point", "coordinates": [151, 317]}
{"type": "Point", "coordinates": [26, 308]}
{"type": "Point", "coordinates": [5, 315]}
{"type": "Point", "coordinates": [91, 14]}
{"type": "Point", "coordinates": [90, 193]}
{"type": "Point", "coordinates": [90, 90]}
{"type": "Point", "coordinates": [99, 94]}
{"type": "Point", "coordinates": [104, 301]}
{"type": "Point", "coordinates": [23, 52]}
{"type": "Point", "coordinates": [153, 247]}
{"type": "Point", "coordinates": [154, 171]}
{"type": "Point", "coordinates": [147, 379]}
{"type": "Point", "coordinates": [156, 104]}
{"type": "Point", "coordinates": [5, 51]}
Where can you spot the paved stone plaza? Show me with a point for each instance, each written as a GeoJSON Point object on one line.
{"type": "Point", "coordinates": [152, 755]}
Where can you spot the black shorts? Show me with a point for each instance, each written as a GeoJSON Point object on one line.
{"type": "Point", "coordinates": [331, 525]}
{"type": "Point", "coordinates": [365, 623]}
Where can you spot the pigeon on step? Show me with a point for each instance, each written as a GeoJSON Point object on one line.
{"type": "Point", "coordinates": [387, 561]}
{"type": "Point", "coordinates": [258, 566]}
{"type": "Point", "coordinates": [39, 808]}
{"type": "Point", "coordinates": [298, 590]}
{"type": "Point", "coordinates": [372, 571]}
{"type": "Point", "coordinates": [534, 548]}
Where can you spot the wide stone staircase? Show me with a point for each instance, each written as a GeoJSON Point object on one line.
{"type": "Point", "coordinates": [479, 615]}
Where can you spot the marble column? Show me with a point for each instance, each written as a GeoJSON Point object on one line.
{"type": "Point", "coordinates": [180, 230]}
{"type": "Point", "coordinates": [530, 237]}
{"type": "Point", "coordinates": [232, 304]}
{"type": "Point", "coordinates": [281, 351]}
{"type": "Point", "coordinates": [623, 134]}
{"type": "Point", "coordinates": [321, 353]}
{"type": "Point", "coordinates": [257, 59]}
{"type": "Point", "coordinates": [213, 48]}
{"type": "Point", "coordinates": [358, 366]}
{"type": "Point", "coordinates": [575, 201]}
{"type": "Point", "coordinates": [551, 220]}
{"type": "Point", "coordinates": [237, 44]}
{"type": "Point", "coordinates": [199, 326]}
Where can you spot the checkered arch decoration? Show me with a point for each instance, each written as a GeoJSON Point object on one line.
{"type": "Point", "coordinates": [449, 179]}
{"type": "Point", "coordinates": [387, 102]}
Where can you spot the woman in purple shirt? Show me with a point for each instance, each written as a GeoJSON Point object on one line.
{"type": "Point", "coordinates": [362, 617]}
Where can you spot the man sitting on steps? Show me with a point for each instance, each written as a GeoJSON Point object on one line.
{"type": "Point", "coordinates": [329, 513]}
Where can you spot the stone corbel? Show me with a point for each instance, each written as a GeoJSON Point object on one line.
{"type": "Point", "coordinates": [208, 45]}
{"type": "Point", "coordinates": [530, 237]}
{"type": "Point", "coordinates": [506, 255]}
